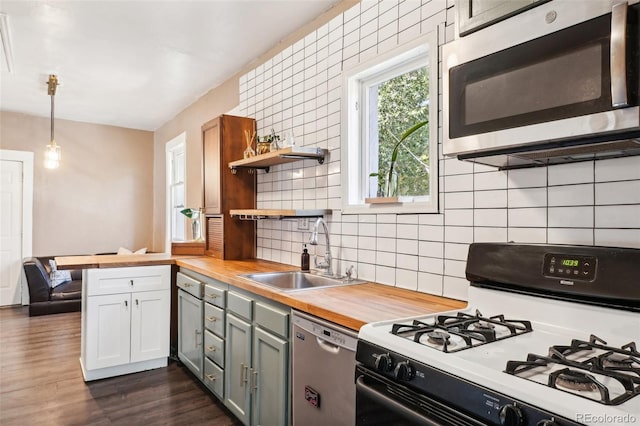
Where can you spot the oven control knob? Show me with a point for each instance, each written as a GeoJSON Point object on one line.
{"type": "Point", "coordinates": [383, 363]}
{"type": "Point", "coordinates": [547, 423]}
{"type": "Point", "coordinates": [510, 415]}
{"type": "Point", "coordinates": [404, 371]}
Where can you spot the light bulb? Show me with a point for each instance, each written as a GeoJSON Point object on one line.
{"type": "Point", "coordinates": [52, 156]}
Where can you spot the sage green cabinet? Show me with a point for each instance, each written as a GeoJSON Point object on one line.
{"type": "Point", "coordinates": [269, 379]}
{"type": "Point", "coordinates": [257, 361]}
{"type": "Point", "coordinates": [238, 360]}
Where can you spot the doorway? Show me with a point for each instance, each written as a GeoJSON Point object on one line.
{"type": "Point", "coordinates": [16, 217]}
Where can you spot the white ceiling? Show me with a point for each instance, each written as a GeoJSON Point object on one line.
{"type": "Point", "coordinates": [136, 63]}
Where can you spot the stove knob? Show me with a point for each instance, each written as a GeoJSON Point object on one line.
{"type": "Point", "coordinates": [547, 423]}
{"type": "Point", "coordinates": [510, 415]}
{"type": "Point", "coordinates": [383, 363]}
{"type": "Point", "coordinates": [404, 371]}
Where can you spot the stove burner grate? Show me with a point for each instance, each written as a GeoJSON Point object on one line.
{"type": "Point", "coordinates": [619, 364]}
{"type": "Point", "coordinates": [469, 330]}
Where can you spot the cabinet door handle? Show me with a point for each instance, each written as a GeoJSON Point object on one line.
{"type": "Point", "coordinates": [136, 302]}
{"type": "Point", "coordinates": [210, 377]}
{"type": "Point", "coordinates": [186, 284]}
{"type": "Point", "coordinates": [131, 282]}
{"type": "Point", "coordinates": [212, 319]}
{"type": "Point", "coordinates": [254, 380]}
{"type": "Point", "coordinates": [126, 303]}
{"type": "Point", "coordinates": [243, 374]}
{"type": "Point", "coordinates": [211, 348]}
{"type": "Point", "coordinates": [198, 343]}
{"type": "Point", "coordinates": [211, 296]}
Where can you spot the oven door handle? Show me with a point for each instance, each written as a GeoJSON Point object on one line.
{"type": "Point", "coordinates": [393, 405]}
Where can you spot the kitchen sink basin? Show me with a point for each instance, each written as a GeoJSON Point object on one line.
{"type": "Point", "coordinates": [295, 280]}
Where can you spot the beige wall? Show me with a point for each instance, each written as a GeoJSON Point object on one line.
{"type": "Point", "coordinates": [100, 198]}
{"type": "Point", "coordinates": [218, 100]}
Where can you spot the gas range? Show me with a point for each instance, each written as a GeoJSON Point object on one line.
{"type": "Point", "coordinates": [537, 345]}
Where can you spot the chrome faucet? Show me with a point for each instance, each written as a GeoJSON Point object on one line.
{"type": "Point", "coordinates": [326, 264]}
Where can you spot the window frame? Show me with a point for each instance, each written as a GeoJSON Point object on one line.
{"type": "Point", "coordinates": [355, 145]}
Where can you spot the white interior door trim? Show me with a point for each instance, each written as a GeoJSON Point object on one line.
{"type": "Point", "coordinates": [26, 157]}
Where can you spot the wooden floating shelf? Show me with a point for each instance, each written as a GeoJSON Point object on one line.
{"type": "Point", "coordinates": [255, 214]}
{"type": "Point", "coordinates": [281, 156]}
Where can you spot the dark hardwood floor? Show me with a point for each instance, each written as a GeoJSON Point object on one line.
{"type": "Point", "coordinates": [41, 382]}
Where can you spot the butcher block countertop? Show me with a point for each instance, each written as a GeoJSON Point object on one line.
{"type": "Point", "coordinates": [351, 306]}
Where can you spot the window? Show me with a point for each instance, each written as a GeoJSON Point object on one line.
{"type": "Point", "coordinates": [176, 221]}
{"type": "Point", "coordinates": [382, 99]}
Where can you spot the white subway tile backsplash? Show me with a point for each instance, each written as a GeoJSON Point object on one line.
{"type": "Point", "coordinates": [385, 275]}
{"type": "Point", "coordinates": [490, 217]}
{"type": "Point", "coordinates": [626, 168]}
{"type": "Point", "coordinates": [490, 180]}
{"type": "Point", "coordinates": [527, 235]}
{"type": "Point", "coordinates": [457, 183]}
{"type": "Point", "coordinates": [580, 236]}
{"type": "Point", "coordinates": [455, 288]}
{"type": "Point", "coordinates": [487, 235]}
{"type": "Point", "coordinates": [386, 259]}
{"type": "Point", "coordinates": [624, 192]}
{"type": "Point", "coordinates": [571, 195]}
{"type": "Point", "coordinates": [528, 197]}
{"type": "Point", "coordinates": [407, 279]}
{"type": "Point", "coordinates": [458, 234]}
{"type": "Point", "coordinates": [566, 174]}
{"type": "Point", "coordinates": [430, 283]}
{"type": "Point", "coordinates": [458, 200]}
{"type": "Point", "coordinates": [431, 232]}
{"type": "Point", "coordinates": [527, 217]}
{"type": "Point", "coordinates": [527, 178]}
{"type": "Point", "coordinates": [571, 217]}
{"type": "Point", "coordinates": [489, 199]}
{"type": "Point", "coordinates": [458, 217]}
{"type": "Point", "coordinates": [406, 231]}
{"type": "Point", "coordinates": [617, 216]}
{"type": "Point", "coordinates": [300, 89]}
{"type": "Point", "coordinates": [617, 237]}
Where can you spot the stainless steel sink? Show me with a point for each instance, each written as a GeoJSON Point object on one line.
{"type": "Point", "coordinates": [295, 280]}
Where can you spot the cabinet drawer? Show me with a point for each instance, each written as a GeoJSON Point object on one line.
{"type": "Point", "coordinates": [213, 378]}
{"type": "Point", "coordinates": [214, 295]}
{"type": "Point", "coordinates": [128, 279]}
{"type": "Point", "coordinates": [240, 305]}
{"type": "Point", "coordinates": [272, 319]}
{"type": "Point", "coordinates": [214, 347]}
{"type": "Point", "coordinates": [188, 284]}
{"type": "Point", "coordinates": [214, 319]}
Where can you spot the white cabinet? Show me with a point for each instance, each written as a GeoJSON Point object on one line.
{"type": "Point", "coordinates": [125, 320]}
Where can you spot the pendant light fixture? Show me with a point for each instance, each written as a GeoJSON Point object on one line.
{"type": "Point", "coordinates": [52, 153]}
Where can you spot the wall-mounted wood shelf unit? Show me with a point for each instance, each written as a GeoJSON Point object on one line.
{"type": "Point", "coordinates": [255, 214]}
{"type": "Point", "coordinates": [281, 156]}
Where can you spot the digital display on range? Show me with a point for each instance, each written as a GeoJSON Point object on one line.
{"type": "Point", "coordinates": [570, 267]}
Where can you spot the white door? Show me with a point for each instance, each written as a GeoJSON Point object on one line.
{"type": "Point", "coordinates": [108, 330]}
{"type": "Point", "coordinates": [10, 232]}
{"type": "Point", "coordinates": [150, 325]}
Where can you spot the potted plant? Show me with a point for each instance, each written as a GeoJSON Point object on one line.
{"type": "Point", "coordinates": [195, 215]}
{"type": "Point", "coordinates": [388, 183]}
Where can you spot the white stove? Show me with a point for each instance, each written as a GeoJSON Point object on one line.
{"type": "Point", "coordinates": [526, 351]}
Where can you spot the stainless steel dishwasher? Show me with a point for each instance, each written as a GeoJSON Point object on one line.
{"type": "Point", "coordinates": [324, 391]}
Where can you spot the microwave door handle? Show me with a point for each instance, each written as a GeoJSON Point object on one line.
{"type": "Point", "coordinates": [618, 55]}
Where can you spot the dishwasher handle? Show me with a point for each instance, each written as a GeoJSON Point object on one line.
{"type": "Point", "coordinates": [327, 346]}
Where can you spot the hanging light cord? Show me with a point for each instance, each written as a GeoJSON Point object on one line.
{"type": "Point", "coordinates": [53, 83]}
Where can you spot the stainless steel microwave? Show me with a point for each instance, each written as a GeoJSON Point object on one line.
{"type": "Point", "coordinates": [555, 84]}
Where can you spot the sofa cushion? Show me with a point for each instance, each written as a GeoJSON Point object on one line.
{"type": "Point", "coordinates": [67, 291]}
{"type": "Point", "coordinates": [58, 277]}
